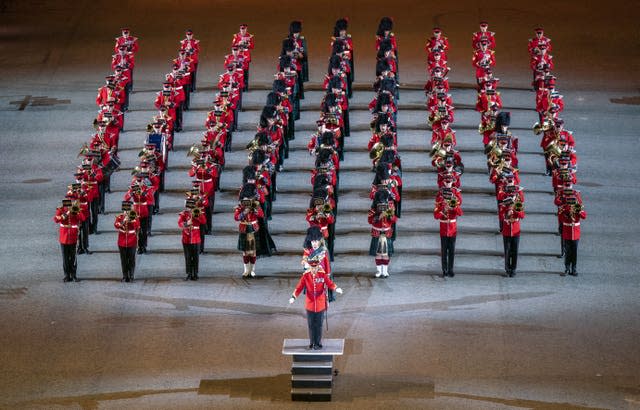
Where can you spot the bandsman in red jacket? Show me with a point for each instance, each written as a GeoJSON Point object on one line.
{"type": "Point", "coordinates": [315, 282]}
{"type": "Point", "coordinates": [510, 213]}
{"type": "Point", "coordinates": [127, 40]}
{"type": "Point", "coordinates": [570, 215]}
{"type": "Point", "coordinates": [537, 41]}
{"type": "Point", "coordinates": [69, 216]}
{"type": "Point", "coordinates": [447, 211]}
{"type": "Point", "coordinates": [483, 35]}
{"type": "Point", "coordinates": [191, 220]}
{"type": "Point", "coordinates": [127, 224]}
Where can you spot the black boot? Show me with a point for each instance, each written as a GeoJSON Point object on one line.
{"type": "Point", "coordinates": [67, 278]}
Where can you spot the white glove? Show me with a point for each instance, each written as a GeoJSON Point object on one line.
{"type": "Point", "coordinates": [339, 291]}
{"type": "Point", "coordinates": [291, 300]}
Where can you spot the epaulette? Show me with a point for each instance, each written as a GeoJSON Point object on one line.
{"type": "Point", "coordinates": [349, 35]}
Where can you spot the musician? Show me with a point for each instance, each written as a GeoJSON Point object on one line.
{"type": "Point", "coordinates": [437, 42]}
{"type": "Point", "coordinates": [127, 224]}
{"type": "Point", "coordinates": [447, 210]}
{"type": "Point", "coordinates": [69, 216]}
{"type": "Point", "coordinates": [253, 239]}
{"type": "Point", "coordinates": [510, 212]}
{"type": "Point", "coordinates": [483, 58]}
{"type": "Point", "coordinates": [191, 220]}
{"type": "Point", "coordinates": [314, 247]}
{"type": "Point", "coordinates": [340, 34]}
{"type": "Point", "coordinates": [141, 197]}
{"type": "Point", "coordinates": [483, 35]}
{"type": "Point", "coordinates": [570, 215]}
{"type": "Point", "coordinates": [315, 282]}
{"type": "Point", "coordinates": [192, 47]}
{"type": "Point", "coordinates": [382, 218]}
{"type": "Point", "coordinates": [128, 41]}
{"type": "Point", "coordinates": [537, 41]}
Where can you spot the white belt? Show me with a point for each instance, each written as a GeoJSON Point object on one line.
{"type": "Point", "coordinates": [448, 221]}
{"type": "Point", "coordinates": [68, 226]}
{"type": "Point", "coordinates": [381, 229]}
{"type": "Point", "coordinates": [140, 203]}
{"type": "Point", "coordinates": [205, 180]}
{"type": "Point", "coordinates": [127, 231]}
{"type": "Point", "coordinates": [571, 223]}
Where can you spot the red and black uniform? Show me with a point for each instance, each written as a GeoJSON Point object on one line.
{"type": "Point", "coordinates": [510, 227]}
{"type": "Point", "coordinates": [191, 221]}
{"type": "Point", "coordinates": [69, 222]}
{"type": "Point", "coordinates": [315, 282]}
{"type": "Point", "coordinates": [447, 215]}
{"type": "Point", "coordinates": [570, 216]}
{"type": "Point", "coordinates": [127, 228]}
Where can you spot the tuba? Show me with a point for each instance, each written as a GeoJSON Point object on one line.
{"type": "Point", "coordinates": [376, 151]}
{"type": "Point", "coordinates": [553, 149]}
{"type": "Point", "coordinates": [545, 126]}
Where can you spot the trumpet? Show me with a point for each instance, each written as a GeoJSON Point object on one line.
{"type": "Point", "coordinates": [75, 209]}
{"type": "Point", "coordinates": [518, 206]}
{"type": "Point", "coordinates": [453, 202]}
{"type": "Point", "coordinates": [196, 212]}
{"type": "Point", "coordinates": [130, 215]}
{"type": "Point", "coordinates": [576, 208]}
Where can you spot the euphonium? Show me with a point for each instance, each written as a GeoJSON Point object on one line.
{"type": "Point", "coordinates": [553, 149]}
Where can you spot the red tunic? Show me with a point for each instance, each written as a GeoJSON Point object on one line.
{"type": "Point", "coordinates": [315, 285]}
{"type": "Point", "coordinates": [127, 231]}
{"type": "Point", "coordinates": [447, 217]}
{"type": "Point", "coordinates": [191, 226]}
{"type": "Point", "coordinates": [69, 224]}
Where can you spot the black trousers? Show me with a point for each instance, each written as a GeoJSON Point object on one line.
{"type": "Point", "coordinates": [83, 235]}
{"type": "Point", "coordinates": [510, 252]}
{"type": "Point", "coordinates": [570, 254]}
{"type": "Point", "coordinates": [69, 263]}
{"type": "Point", "coordinates": [143, 232]}
{"type": "Point", "coordinates": [128, 261]}
{"type": "Point", "coordinates": [448, 250]}
{"type": "Point", "coordinates": [314, 321]}
{"type": "Point", "coordinates": [191, 258]}
{"type": "Point", "coordinates": [93, 211]}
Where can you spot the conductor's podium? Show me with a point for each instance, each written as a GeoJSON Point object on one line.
{"type": "Point", "coordinates": [312, 370]}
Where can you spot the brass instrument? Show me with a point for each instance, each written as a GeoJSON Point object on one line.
{"type": "Point", "coordinates": [195, 151]}
{"type": "Point", "coordinates": [83, 150]}
{"type": "Point", "coordinates": [196, 212]}
{"type": "Point", "coordinates": [327, 208]}
{"type": "Point", "coordinates": [453, 202]}
{"type": "Point", "coordinates": [437, 150]}
{"type": "Point", "coordinates": [250, 203]}
{"type": "Point", "coordinates": [518, 206]}
{"type": "Point", "coordinates": [130, 216]}
{"type": "Point", "coordinates": [576, 208]}
{"type": "Point", "coordinates": [545, 126]}
{"type": "Point", "coordinates": [376, 151]}
{"type": "Point", "coordinates": [492, 149]}
{"type": "Point", "coordinates": [75, 208]}
{"type": "Point", "coordinates": [553, 149]}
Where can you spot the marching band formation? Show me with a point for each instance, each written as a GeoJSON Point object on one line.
{"type": "Point", "coordinates": [559, 149]}
{"type": "Point", "coordinates": [85, 199]}
{"type": "Point", "coordinates": [386, 187]}
{"type": "Point", "coordinates": [500, 146]}
{"type": "Point", "coordinates": [444, 157]}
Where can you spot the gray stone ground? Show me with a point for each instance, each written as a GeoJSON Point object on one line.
{"type": "Point", "coordinates": [415, 340]}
